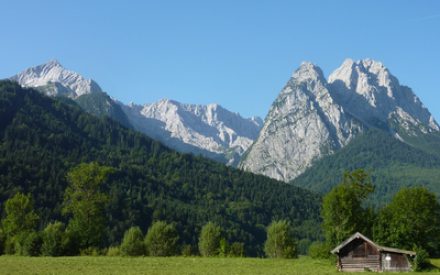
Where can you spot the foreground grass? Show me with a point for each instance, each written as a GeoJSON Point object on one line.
{"type": "Point", "coordinates": [172, 265]}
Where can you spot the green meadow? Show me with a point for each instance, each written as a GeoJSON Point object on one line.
{"type": "Point", "coordinates": [165, 265]}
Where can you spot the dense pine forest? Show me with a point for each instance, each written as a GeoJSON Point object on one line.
{"type": "Point", "coordinates": [42, 139]}
{"type": "Point", "coordinates": [391, 163]}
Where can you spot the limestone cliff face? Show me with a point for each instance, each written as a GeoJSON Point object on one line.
{"type": "Point", "coordinates": [312, 117]}
{"type": "Point", "coordinates": [303, 124]}
{"type": "Point", "coordinates": [53, 79]}
{"type": "Point", "coordinates": [209, 130]}
{"type": "Point", "coordinates": [368, 90]}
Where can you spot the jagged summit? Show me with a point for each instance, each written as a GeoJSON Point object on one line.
{"type": "Point", "coordinates": [207, 129]}
{"type": "Point", "coordinates": [45, 75]}
{"type": "Point", "coordinates": [308, 70]}
{"type": "Point", "coordinates": [210, 130]}
{"type": "Point", "coordinates": [368, 90]}
{"type": "Point", "coordinates": [313, 117]}
{"type": "Point", "coordinates": [303, 124]}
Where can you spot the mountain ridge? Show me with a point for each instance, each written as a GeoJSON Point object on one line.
{"type": "Point", "coordinates": [313, 117]}
{"type": "Point", "coordinates": [42, 138]}
{"type": "Point", "coordinates": [209, 130]}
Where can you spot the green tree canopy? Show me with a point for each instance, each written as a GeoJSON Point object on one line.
{"type": "Point", "coordinates": [209, 240]}
{"type": "Point", "coordinates": [86, 202]}
{"type": "Point", "coordinates": [342, 211]}
{"type": "Point", "coordinates": [20, 215]}
{"type": "Point", "coordinates": [411, 220]}
{"type": "Point", "coordinates": [280, 242]}
{"type": "Point", "coordinates": [161, 239]}
{"type": "Point", "coordinates": [133, 242]}
{"type": "Point", "coordinates": [53, 236]}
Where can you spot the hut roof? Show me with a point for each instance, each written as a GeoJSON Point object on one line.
{"type": "Point", "coordinates": [358, 235]}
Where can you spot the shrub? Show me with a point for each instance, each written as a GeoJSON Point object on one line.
{"type": "Point", "coordinates": [319, 250]}
{"type": "Point", "coordinates": [236, 249]}
{"type": "Point", "coordinates": [187, 250]}
{"type": "Point", "coordinates": [30, 244]}
{"type": "Point", "coordinates": [209, 240]}
{"type": "Point", "coordinates": [10, 246]}
{"type": "Point", "coordinates": [161, 239]}
{"type": "Point", "coordinates": [90, 251]}
{"type": "Point", "coordinates": [280, 242]}
{"type": "Point", "coordinates": [2, 241]}
{"type": "Point", "coordinates": [52, 237]}
{"type": "Point", "coordinates": [113, 251]}
{"type": "Point", "coordinates": [133, 242]}
{"type": "Point", "coordinates": [421, 261]}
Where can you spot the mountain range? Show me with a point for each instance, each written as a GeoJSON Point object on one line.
{"type": "Point", "coordinates": [208, 130]}
{"type": "Point", "coordinates": [316, 128]}
{"type": "Point", "coordinates": [42, 138]}
{"type": "Point", "coordinates": [314, 117]}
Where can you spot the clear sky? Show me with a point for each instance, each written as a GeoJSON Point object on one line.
{"type": "Point", "coordinates": [236, 53]}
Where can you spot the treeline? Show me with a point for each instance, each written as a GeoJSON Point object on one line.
{"type": "Point", "coordinates": [410, 221]}
{"type": "Point", "coordinates": [392, 164]}
{"type": "Point", "coordinates": [42, 139]}
{"type": "Point", "coordinates": [86, 230]}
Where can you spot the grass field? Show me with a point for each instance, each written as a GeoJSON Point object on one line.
{"type": "Point", "coordinates": [173, 265]}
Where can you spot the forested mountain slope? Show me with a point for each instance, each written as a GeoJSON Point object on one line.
{"type": "Point", "coordinates": [41, 138]}
{"type": "Point", "coordinates": [391, 162]}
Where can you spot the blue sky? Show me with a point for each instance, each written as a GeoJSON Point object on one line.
{"type": "Point", "coordinates": [235, 53]}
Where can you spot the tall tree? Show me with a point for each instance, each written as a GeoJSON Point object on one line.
{"type": "Point", "coordinates": [20, 215]}
{"type": "Point", "coordinates": [86, 202]}
{"type": "Point", "coordinates": [209, 240]}
{"type": "Point", "coordinates": [133, 242]}
{"type": "Point", "coordinates": [280, 242]}
{"type": "Point", "coordinates": [20, 221]}
{"type": "Point", "coordinates": [410, 221]}
{"type": "Point", "coordinates": [161, 239]}
{"type": "Point", "coordinates": [342, 211]}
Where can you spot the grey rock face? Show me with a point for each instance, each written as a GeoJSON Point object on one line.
{"type": "Point", "coordinates": [53, 79]}
{"type": "Point", "coordinates": [303, 124]}
{"type": "Point", "coordinates": [312, 118]}
{"type": "Point", "coordinates": [368, 90]}
{"type": "Point", "coordinates": [209, 130]}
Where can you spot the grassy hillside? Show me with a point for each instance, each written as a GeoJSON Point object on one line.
{"type": "Point", "coordinates": [41, 138]}
{"type": "Point", "coordinates": [391, 163]}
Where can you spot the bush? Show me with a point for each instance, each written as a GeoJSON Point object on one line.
{"type": "Point", "coordinates": [70, 244]}
{"type": "Point", "coordinates": [280, 242]}
{"type": "Point", "coordinates": [133, 242]}
{"type": "Point", "coordinates": [236, 249]}
{"type": "Point", "coordinates": [161, 239]}
{"type": "Point", "coordinates": [10, 246]}
{"type": "Point", "coordinates": [113, 251]}
{"type": "Point", "coordinates": [421, 261]}
{"type": "Point", "coordinates": [303, 246]}
{"type": "Point", "coordinates": [2, 242]}
{"type": "Point", "coordinates": [29, 244]}
{"type": "Point", "coordinates": [187, 250]}
{"type": "Point", "coordinates": [52, 237]}
{"type": "Point", "coordinates": [209, 240]}
{"type": "Point", "coordinates": [90, 251]}
{"type": "Point", "coordinates": [319, 250]}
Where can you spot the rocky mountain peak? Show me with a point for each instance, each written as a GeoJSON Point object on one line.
{"type": "Point", "coordinates": [368, 90]}
{"type": "Point", "coordinates": [308, 71]}
{"type": "Point", "coordinates": [303, 124]}
{"type": "Point", "coordinates": [45, 75]}
{"type": "Point", "coordinates": [313, 117]}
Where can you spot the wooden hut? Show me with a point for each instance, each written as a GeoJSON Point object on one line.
{"type": "Point", "coordinates": [358, 253]}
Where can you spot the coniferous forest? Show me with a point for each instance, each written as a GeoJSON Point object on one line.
{"type": "Point", "coordinates": [43, 139]}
